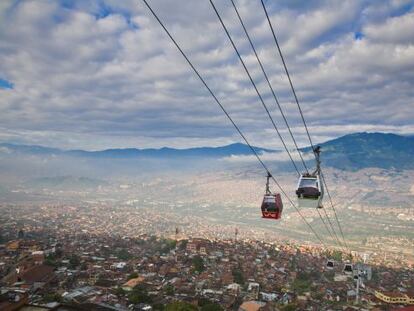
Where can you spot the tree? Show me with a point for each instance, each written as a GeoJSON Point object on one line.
{"type": "Point", "coordinates": [183, 244]}
{"type": "Point", "coordinates": [302, 283]}
{"type": "Point", "coordinates": [180, 306]}
{"type": "Point", "coordinates": [133, 275]}
{"type": "Point", "coordinates": [74, 261]}
{"type": "Point", "coordinates": [51, 297]}
{"type": "Point", "coordinates": [119, 292]}
{"type": "Point", "coordinates": [202, 301]}
{"type": "Point", "coordinates": [167, 245]}
{"type": "Point", "coordinates": [139, 295]}
{"type": "Point", "coordinates": [212, 307]}
{"type": "Point", "coordinates": [123, 254]}
{"type": "Point", "coordinates": [238, 276]}
{"type": "Point", "coordinates": [336, 255]}
{"type": "Point", "coordinates": [158, 307]}
{"type": "Point", "coordinates": [198, 264]}
{"type": "Point", "coordinates": [169, 290]}
{"type": "Point", "coordinates": [289, 307]}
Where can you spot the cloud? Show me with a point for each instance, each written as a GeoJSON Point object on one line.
{"type": "Point", "coordinates": [99, 74]}
{"type": "Point", "coordinates": [269, 157]}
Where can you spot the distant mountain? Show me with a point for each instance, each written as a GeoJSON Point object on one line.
{"type": "Point", "coordinates": [350, 152]}
{"type": "Point", "coordinates": [219, 152]}
{"type": "Point", "coordinates": [363, 150]}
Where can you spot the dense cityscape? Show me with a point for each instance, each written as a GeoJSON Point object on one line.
{"type": "Point", "coordinates": [102, 257]}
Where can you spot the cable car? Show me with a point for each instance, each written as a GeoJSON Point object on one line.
{"type": "Point", "coordinates": [310, 188]}
{"type": "Point", "coordinates": [272, 205]}
{"type": "Point", "coordinates": [348, 268]}
{"type": "Point", "coordinates": [330, 264]}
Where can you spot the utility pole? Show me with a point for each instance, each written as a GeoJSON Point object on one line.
{"type": "Point", "coordinates": [357, 288]}
{"type": "Point", "coordinates": [176, 243]}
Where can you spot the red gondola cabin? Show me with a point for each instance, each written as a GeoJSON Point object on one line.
{"type": "Point", "coordinates": [272, 206]}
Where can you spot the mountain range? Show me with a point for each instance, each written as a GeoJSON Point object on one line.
{"type": "Point", "coordinates": [363, 150]}
{"type": "Point", "coordinates": [165, 152]}
{"type": "Point", "coordinates": [349, 152]}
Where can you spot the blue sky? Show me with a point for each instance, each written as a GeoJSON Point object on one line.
{"type": "Point", "coordinates": [98, 74]}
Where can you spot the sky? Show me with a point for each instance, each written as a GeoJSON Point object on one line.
{"type": "Point", "coordinates": [97, 74]}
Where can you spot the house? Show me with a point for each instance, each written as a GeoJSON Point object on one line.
{"type": "Point", "coordinates": [37, 276]}
{"type": "Point", "coordinates": [10, 300]}
{"type": "Point", "coordinates": [395, 297]}
{"type": "Point", "coordinates": [129, 285]}
{"type": "Point", "coordinates": [251, 306]}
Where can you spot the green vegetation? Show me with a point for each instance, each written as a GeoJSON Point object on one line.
{"type": "Point", "coordinates": [180, 306]}
{"type": "Point", "coordinates": [74, 261]}
{"type": "Point", "coordinates": [212, 307]}
{"type": "Point", "coordinates": [289, 307]}
{"type": "Point", "coordinates": [169, 290]}
{"type": "Point", "coordinates": [166, 245]}
{"type": "Point", "coordinates": [302, 283]}
{"type": "Point", "coordinates": [139, 295]}
{"type": "Point", "coordinates": [198, 264]}
{"type": "Point", "coordinates": [133, 275]}
{"type": "Point", "coordinates": [183, 244]}
{"type": "Point", "coordinates": [238, 276]}
{"type": "Point", "coordinates": [119, 292]}
{"type": "Point", "coordinates": [51, 297]}
{"type": "Point", "coordinates": [50, 260]}
{"type": "Point", "coordinates": [158, 307]}
{"type": "Point", "coordinates": [336, 255]}
{"type": "Point", "coordinates": [123, 254]}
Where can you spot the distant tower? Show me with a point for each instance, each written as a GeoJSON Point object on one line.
{"type": "Point", "coordinates": [176, 233]}
{"type": "Point", "coordinates": [176, 243]}
{"type": "Point", "coordinates": [20, 234]}
{"type": "Point", "coordinates": [236, 232]}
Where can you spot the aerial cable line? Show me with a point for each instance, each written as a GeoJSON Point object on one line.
{"type": "Point", "coordinates": [231, 120]}
{"type": "Point", "coordinates": [301, 114]}
{"type": "Point", "coordinates": [333, 207]}
{"type": "Point", "coordinates": [255, 87]}
{"type": "Point", "coordinates": [327, 228]}
{"type": "Point", "coordinates": [287, 74]}
{"type": "Point", "coordinates": [334, 238]}
{"type": "Point", "coordinates": [269, 84]}
{"type": "Point", "coordinates": [286, 122]}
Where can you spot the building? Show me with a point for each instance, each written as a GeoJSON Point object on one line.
{"type": "Point", "coordinates": [395, 297]}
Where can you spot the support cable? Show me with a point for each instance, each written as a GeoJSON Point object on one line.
{"type": "Point", "coordinates": [334, 236]}
{"type": "Point", "coordinates": [254, 85]}
{"type": "Point", "coordinates": [301, 114]}
{"type": "Point", "coordinates": [270, 85]}
{"type": "Point", "coordinates": [232, 121]}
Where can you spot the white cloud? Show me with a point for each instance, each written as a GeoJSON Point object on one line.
{"type": "Point", "coordinates": [86, 80]}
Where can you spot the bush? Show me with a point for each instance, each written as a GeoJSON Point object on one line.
{"type": "Point", "coordinates": [180, 306]}
{"type": "Point", "coordinates": [123, 254]}
{"type": "Point", "coordinates": [74, 261]}
{"type": "Point", "coordinates": [139, 295]}
{"type": "Point", "coordinates": [133, 275]}
{"type": "Point", "coordinates": [198, 264]}
{"type": "Point", "coordinates": [212, 307]}
{"type": "Point", "coordinates": [238, 276]}
{"type": "Point", "coordinates": [169, 290]}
